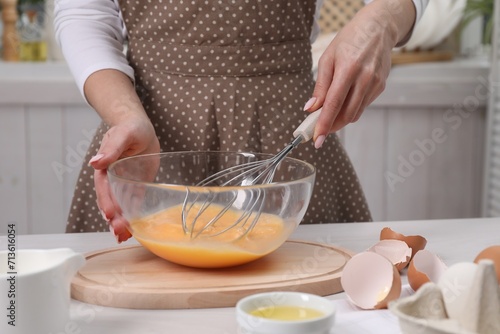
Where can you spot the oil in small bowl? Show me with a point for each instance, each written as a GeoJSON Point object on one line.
{"type": "Point", "coordinates": [287, 313]}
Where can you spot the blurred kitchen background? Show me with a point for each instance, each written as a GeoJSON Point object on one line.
{"type": "Point", "coordinates": [427, 148]}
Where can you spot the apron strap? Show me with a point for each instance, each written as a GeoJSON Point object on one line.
{"type": "Point", "coordinates": [231, 60]}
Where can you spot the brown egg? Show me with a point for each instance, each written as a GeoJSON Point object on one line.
{"type": "Point", "coordinates": [424, 267]}
{"type": "Point", "coordinates": [491, 253]}
{"type": "Point", "coordinates": [415, 242]}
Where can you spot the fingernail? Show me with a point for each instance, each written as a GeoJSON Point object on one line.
{"type": "Point", "coordinates": [119, 238]}
{"type": "Point", "coordinates": [309, 103]}
{"type": "Point", "coordinates": [96, 157]}
{"type": "Point", "coordinates": [112, 230]}
{"type": "Point", "coordinates": [104, 216]}
{"type": "Point", "coordinates": [319, 141]}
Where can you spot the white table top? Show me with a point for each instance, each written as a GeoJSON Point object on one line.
{"type": "Point", "coordinates": [453, 240]}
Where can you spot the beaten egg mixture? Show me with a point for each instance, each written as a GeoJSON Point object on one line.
{"type": "Point", "coordinates": [162, 234]}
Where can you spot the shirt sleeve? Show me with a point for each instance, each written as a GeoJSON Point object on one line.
{"type": "Point", "coordinates": [91, 34]}
{"type": "Point", "coordinates": [420, 6]}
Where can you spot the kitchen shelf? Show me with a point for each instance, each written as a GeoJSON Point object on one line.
{"type": "Point", "coordinates": [45, 83]}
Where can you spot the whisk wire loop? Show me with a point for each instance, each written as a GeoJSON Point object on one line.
{"type": "Point", "coordinates": [247, 174]}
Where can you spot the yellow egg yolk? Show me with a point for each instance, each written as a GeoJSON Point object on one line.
{"type": "Point", "coordinates": [214, 247]}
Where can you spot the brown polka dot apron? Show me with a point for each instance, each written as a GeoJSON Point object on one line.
{"type": "Point", "coordinates": [228, 75]}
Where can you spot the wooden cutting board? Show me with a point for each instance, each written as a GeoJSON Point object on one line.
{"type": "Point", "coordinates": [133, 277]}
{"type": "Point", "coordinates": [399, 58]}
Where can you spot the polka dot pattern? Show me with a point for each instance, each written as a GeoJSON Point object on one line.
{"type": "Point", "coordinates": [197, 101]}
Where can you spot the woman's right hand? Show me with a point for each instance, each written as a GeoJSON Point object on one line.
{"type": "Point", "coordinates": [130, 133]}
{"type": "Point", "coordinates": [353, 69]}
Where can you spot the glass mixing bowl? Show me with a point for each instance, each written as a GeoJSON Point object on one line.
{"type": "Point", "coordinates": [208, 226]}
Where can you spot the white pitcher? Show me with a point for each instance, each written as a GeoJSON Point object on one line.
{"type": "Point", "coordinates": [35, 290]}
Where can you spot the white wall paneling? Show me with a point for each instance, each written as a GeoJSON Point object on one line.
{"type": "Point", "coordinates": [13, 184]}
{"type": "Point", "coordinates": [44, 146]}
{"type": "Point", "coordinates": [419, 163]}
{"type": "Point", "coordinates": [366, 143]}
{"type": "Point", "coordinates": [491, 189]}
{"type": "Point", "coordinates": [460, 184]}
{"type": "Point", "coordinates": [407, 171]}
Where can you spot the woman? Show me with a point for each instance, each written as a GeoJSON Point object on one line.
{"type": "Point", "coordinates": [224, 75]}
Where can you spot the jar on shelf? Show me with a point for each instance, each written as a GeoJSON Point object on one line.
{"type": "Point", "coordinates": [33, 44]}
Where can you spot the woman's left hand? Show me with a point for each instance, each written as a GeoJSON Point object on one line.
{"type": "Point", "coordinates": [354, 68]}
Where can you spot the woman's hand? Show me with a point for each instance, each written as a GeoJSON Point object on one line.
{"type": "Point", "coordinates": [112, 94]}
{"type": "Point", "coordinates": [123, 140]}
{"type": "Point", "coordinates": [353, 69]}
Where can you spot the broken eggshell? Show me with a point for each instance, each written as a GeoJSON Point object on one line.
{"type": "Point", "coordinates": [415, 242]}
{"type": "Point", "coordinates": [396, 251]}
{"type": "Point", "coordinates": [370, 280]}
{"type": "Point", "coordinates": [424, 267]}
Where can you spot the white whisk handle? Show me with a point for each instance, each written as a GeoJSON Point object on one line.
{"type": "Point", "coordinates": [306, 128]}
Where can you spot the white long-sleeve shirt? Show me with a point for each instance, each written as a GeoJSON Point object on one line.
{"type": "Point", "coordinates": [102, 33]}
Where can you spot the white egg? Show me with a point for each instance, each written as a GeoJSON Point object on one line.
{"type": "Point", "coordinates": [455, 284]}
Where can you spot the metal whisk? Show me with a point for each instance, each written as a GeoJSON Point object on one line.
{"type": "Point", "coordinates": [194, 211]}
